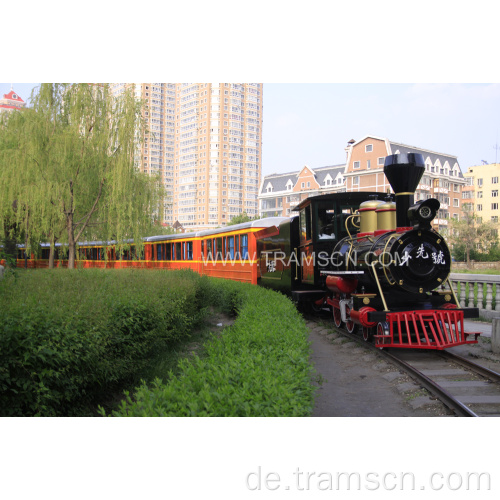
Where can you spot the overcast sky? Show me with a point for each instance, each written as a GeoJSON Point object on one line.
{"type": "Point", "coordinates": [310, 124]}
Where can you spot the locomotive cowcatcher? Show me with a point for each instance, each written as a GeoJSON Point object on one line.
{"type": "Point", "coordinates": [376, 263]}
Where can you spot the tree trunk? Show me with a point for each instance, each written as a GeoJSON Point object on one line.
{"type": "Point", "coordinates": [52, 251]}
{"type": "Point", "coordinates": [71, 241]}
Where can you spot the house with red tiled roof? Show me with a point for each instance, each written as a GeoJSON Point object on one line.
{"type": "Point", "coordinates": [11, 102]}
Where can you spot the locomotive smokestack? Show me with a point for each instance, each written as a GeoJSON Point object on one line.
{"type": "Point", "coordinates": [404, 171]}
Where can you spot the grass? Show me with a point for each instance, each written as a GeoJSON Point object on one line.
{"type": "Point", "coordinates": [493, 272]}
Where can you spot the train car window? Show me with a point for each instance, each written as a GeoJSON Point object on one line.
{"type": "Point", "coordinates": [178, 251]}
{"type": "Point", "coordinates": [167, 251]}
{"type": "Point", "coordinates": [219, 248]}
{"type": "Point", "coordinates": [45, 253]}
{"type": "Point", "coordinates": [184, 251]}
{"type": "Point", "coordinates": [325, 223]}
{"type": "Point", "coordinates": [189, 245]}
{"type": "Point", "coordinates": [230, 241]}
{"type": "Point", "coordinates": [345, 213]}
{"type": "Point", "coordinates": [210, 254]}
{"type": "Point", "coordinates": [244, 247]}
{"type": "Point", "coordinates": [203, 248]}
{"type": "Point", "coordinates": [305, 224]}
{"type": "Point", "coordinates": [159, 255]}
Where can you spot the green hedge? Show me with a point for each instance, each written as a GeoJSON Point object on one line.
{"type": "Point", "coordinates": [259, 367]}
{"type": "Point", "coordinates": [68, 337]}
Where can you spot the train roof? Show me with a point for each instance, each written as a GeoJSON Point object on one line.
{"type": "Point", "coordinates": [261, 223]}
{"type": "Point", "coordinates": [349, 197]}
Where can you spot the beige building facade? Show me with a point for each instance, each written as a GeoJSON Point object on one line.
{"type": "Point", "coordinates": [205, 140]}
{"type": "Point", "coordinates": [481, 194]}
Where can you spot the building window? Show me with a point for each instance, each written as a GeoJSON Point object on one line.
{"type": "Point", "coordinates": [368, 148]}
{"type": "Point", "coordinates": [355, 180]}
{"type": "Point", "coordinates": [479, 208]}
{"type": "Point", "coordinates": [494, 218]}
{"type": "Point", "coordinates": [480, 183]}
{"type": "Point", "coordinates": [455, 202]}
{"type": "Point", "coordinates": [494, 180]}
{"type": "Point", "coordinates": [368, 164]}
{"type": "Point", "coordinates": [380, 161]}
{"type": "Point", "coordinates": [494, 193]}
{"type": "Point", "coordinates": [308, 184]}
{"type": "Point", "coordinates": [494, 206]}
{"type": "Point", "coordinates": [479, 194]}
{"type": "Point", "coordinates": [356, 164]}
{"type": "Point", "coordinates": [303, 185]}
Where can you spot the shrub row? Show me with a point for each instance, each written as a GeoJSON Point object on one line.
{"type": "Point", "coordinates": [68, 337]}
{"type": "Point", "coordinates": [259, 367]}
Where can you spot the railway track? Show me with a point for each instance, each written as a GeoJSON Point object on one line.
{"type": "Point", "coordinates": [465, 387]}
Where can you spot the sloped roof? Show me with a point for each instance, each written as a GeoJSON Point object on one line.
{"type": "Point", "coordinates": [11, 95]}
{"type": "Point", "coordinates": [279, 181]}
{"type": "Point", "coordinates": [432, 155]}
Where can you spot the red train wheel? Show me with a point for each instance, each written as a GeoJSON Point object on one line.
{"type": "Point", "coordinates": [337, 317]}
{"type": "Point", "coordinates": [350, 325]}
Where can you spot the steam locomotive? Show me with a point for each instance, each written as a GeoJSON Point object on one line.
{"type": "Point", "coordinates": [378, 265]}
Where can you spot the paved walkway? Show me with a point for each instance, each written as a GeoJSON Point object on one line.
{"type": "Point", "coordinates": [478, 326]}
{"type": "Point", "coordinates": [356, 382]}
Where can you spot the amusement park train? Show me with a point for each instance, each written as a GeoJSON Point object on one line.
{"type": "Point", "coordinates": [375, 262]}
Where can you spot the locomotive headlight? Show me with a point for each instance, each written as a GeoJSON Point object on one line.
{"type": "Point", "coordinates": [423, 212]}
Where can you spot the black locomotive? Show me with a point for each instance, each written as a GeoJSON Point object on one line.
{"type": "Point", "coordinates": [377, 263]}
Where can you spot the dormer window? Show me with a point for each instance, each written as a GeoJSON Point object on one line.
{"type": "Point", "coordinates": [289, 185]}
{"type": "Point", "coordinates": [269, 187]}
{"type": "Point", "coordinates": [368, 148]}
{"type": "Point", "coordinates": [14, 96]}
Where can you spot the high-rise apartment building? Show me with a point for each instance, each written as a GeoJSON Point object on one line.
{"type": "Point", "coordinates": [205, 140]}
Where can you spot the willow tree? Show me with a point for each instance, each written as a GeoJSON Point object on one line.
{"type": "Point", "coordinates": [82, 147]}
{"type": "Point", "coordinates": [24, 204]}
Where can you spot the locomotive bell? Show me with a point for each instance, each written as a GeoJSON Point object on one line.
{"type": "Point", "coordinates": [404, 171]}
{"type": "Point", "coordinates": [368, 216]}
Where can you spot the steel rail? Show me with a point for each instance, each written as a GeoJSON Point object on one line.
{"type": "Point", "coordinates": [481, 370]}
{"type": "Point", "coordinates": [442, 394]}
{"type": "Point", "coordinates": [434, 388]}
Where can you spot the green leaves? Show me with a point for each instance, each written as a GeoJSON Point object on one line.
{"type": "Point", "coordinates": [259, 367]}
{"type": "Point", "coordinates": [68, 337]}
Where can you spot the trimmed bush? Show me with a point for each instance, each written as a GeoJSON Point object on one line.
{"type": "Point", "coordinates": [70, 338]}
{"type": "Point", "coordinates": [67, 337]}
{"type": "Point", "coordinates": [259, 367]}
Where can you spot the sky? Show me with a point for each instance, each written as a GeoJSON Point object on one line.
{"type": "Point", "coordinates": [311, 123]}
